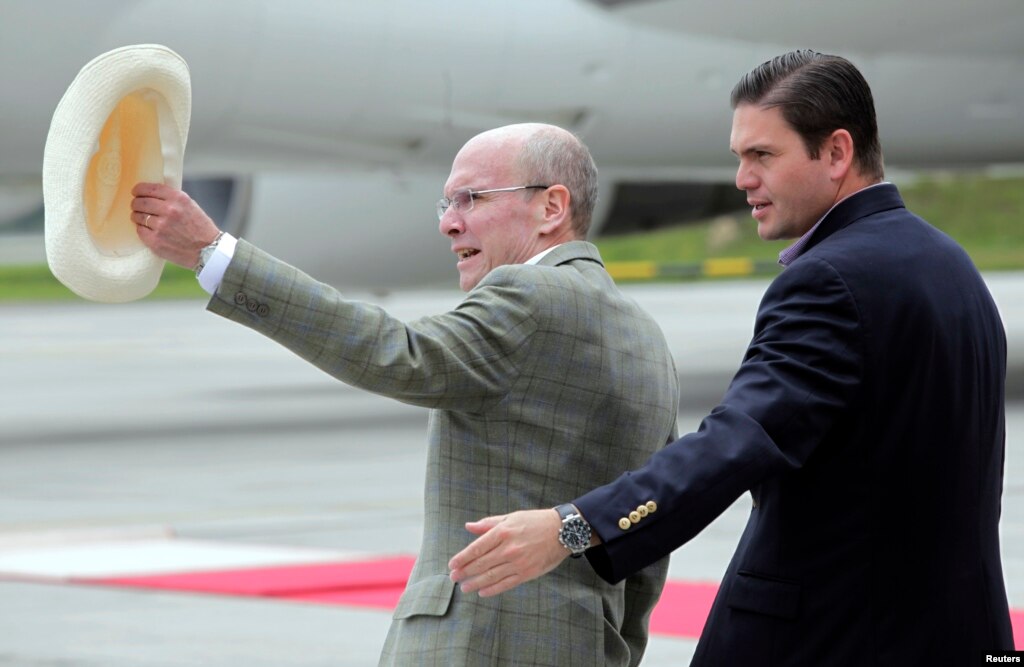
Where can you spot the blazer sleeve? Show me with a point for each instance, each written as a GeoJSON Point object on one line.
{"type": "Point", "coordinates": [799, 375]}
{"type": "Point", "coordinates": [462, 359]}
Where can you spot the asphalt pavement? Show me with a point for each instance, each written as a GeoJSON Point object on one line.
{"type": "Point", "coordinates": [153, 436]}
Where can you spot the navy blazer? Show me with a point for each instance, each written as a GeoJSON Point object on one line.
{"type": "Point", "coordinates": [867, 421]}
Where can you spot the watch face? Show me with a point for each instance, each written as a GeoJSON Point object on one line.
{"type": "Point", "coordinates": [575, 534]}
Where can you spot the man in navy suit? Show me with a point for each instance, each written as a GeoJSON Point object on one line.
{"type": "Point", "coordinates": [866, 420]}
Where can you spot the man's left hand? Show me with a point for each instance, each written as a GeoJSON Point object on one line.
{"type": "Point", "coordinates": [511, 550]}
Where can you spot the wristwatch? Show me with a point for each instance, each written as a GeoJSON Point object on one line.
{"type": "Point", "coordinates": [575, 532]}
{"type": "Point", "coordinates": [206, 253]}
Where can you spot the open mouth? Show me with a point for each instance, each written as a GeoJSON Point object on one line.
{"type": "Point", "coordinates": [466, 253]}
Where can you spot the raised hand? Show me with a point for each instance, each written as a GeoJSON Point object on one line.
{"type": "Point", "coordinates": [170, 223]}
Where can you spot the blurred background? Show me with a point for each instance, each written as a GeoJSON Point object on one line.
{"type": "Point", "coordinates": [323, 130]}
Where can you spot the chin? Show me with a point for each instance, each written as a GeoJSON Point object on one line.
{"type": "Point", "coordinates": [771, 232]}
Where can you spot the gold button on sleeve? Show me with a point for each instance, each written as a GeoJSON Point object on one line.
{"type": "Point", "coordinates": [652, 506]}
{"type": "Point", "coordinates": [642, 511]}
{"type": "Point", "coordinates": [634, 517]}
{"type": "Point", "coordinates": [625, 523]}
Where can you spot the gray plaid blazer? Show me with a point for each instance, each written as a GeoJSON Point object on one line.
{"type": "Point", "coordinates": [544, 382]}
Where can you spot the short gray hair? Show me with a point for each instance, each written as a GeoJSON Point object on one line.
{"type": "Point", "coordinates": [554, 156]}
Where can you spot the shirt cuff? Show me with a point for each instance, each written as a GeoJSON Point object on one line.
{"type": "Point", "coordinates": [213, 273]}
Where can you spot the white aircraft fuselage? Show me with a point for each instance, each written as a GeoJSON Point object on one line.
{"type": "Point", "coordinates": [339, 119]}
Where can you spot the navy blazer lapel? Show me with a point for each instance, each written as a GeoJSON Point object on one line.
{"type": "Point", "coordinates": [860, 205]}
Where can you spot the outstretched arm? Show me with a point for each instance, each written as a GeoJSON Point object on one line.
{"type": "Point", "coordinates": [511, 549]}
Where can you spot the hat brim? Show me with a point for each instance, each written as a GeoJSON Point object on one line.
{"type": "Point", "coordinates": [124, 119]}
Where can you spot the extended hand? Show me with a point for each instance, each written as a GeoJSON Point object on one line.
{"type": "Point", "coordinates": [170, 224]}
{"type": "Point", "coordinates": [512, 549]}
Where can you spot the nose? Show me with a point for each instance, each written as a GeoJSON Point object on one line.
{"type": "Point", "coordinates": [451, 223]}
{"type": "Point", "coordinates": [745, 178]}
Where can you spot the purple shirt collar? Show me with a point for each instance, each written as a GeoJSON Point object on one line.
{"type": "Point", "coordinates": [787, 256]}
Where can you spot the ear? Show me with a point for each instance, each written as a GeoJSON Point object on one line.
{"type": "Point", "coordinates": [553, 205]}
{"type": "Point", "coordinates": [839, 150]}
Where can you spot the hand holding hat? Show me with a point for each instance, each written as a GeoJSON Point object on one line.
{"type": "Point", "coordinates": [124, 119]}
{"type": "Point", "coordinates": [170, 223]}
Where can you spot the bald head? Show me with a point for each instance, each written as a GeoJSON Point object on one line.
{"type": "Point", "coordinates": [541, 153]}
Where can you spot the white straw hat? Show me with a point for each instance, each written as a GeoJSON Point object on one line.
{"type": "Point", "coordinates": [123, 120]}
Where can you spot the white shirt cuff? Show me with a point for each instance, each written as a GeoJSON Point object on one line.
{"type": "Point", "coordinates": [213, 273]}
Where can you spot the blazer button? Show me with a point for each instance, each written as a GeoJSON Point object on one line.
{"type": "Point", "coordinates": [239, 298]}
{"type": "Point", "coordinates": [252, 306]}
{"type": "Point", "coordinates": [652, 506]}
{"type": "Point", "coordinates": [642, 511]}
{"type": "Point", "coordinates": [634, 517]}
{"type": "Point", "coordinates": [625, 523]}
{"type": "Point", "coordinates": [263, 310]}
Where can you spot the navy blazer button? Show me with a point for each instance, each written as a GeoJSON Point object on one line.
{"type": "Point", "coordinates": [625, 523]}
{"type": "Point", "coordinates": [652, 506]}
{"type": "Point", "coordinates": [634, 517]}
{"type": "Point", "coordinates": [642, 511]}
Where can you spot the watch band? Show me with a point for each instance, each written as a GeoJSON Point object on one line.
{"type": "Point", "coordinates": [205, 253]}
{"type": "Point", "coordinates": [566, 510]}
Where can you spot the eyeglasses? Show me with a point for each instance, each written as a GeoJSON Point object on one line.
{"type": "Point", "coordinates": [462, 200]}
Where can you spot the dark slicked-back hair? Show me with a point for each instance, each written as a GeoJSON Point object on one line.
{"type": "Point", "coordinates": [817, 94]}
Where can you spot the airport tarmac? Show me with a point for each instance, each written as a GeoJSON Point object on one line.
{"type": "Point", "coordinates": [155, 437]}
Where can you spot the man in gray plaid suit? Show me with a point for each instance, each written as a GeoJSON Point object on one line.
{"type": "Point", "coordinates": [544, 382]}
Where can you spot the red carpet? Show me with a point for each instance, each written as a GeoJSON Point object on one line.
{"type": "Point", "coordinates": [378, 584]}
{"type": "Point", "coordinates": [337, 583]}
{"type": "Point", "coordinates": [683, 608]}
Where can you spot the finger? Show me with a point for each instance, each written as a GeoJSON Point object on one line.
{"type": "Point", "coordinates": [155, 190]}
{"type": "Point", "coordinates": [474, 559]}
{"type": "Point", "coordinates": [492, 560]}
{"type": "Point", "coordinates": [145, 205]}
{"type": "Point", "coordinates": [145, 233]}
{"type": "Point", "coordinates": [477, 548]}
{"type": "Point", "coordinates": [142, 219]}
{"type": "Point", "coordinates": [483, 525]}
{"type": "Point", "coordinates": [488, 578]}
